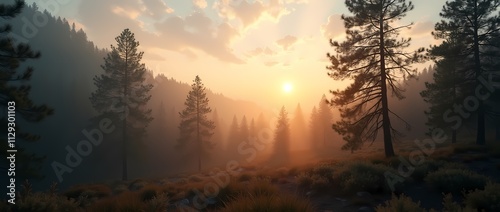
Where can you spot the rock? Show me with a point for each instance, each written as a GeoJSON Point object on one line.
{"type": "Point", "coordinates": [183, 202]}
{"type": "Point", "coordinates": [211, 201]}
{"type": "Point", "coordinates": [365, 209]}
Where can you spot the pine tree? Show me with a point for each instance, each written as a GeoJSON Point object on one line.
{"type": "Point", "coordinates": [217, 137]}
{"type": "Point", "coordinates": [14, 88]}
{"type": "Point", "coordinates": [244, 132]}
{"type": "Point", "coordinates": [195, 126]}
{"type": "Point", "coordinates": [233, 138]}
{"type": "Point", "coordinates": [325, 119]}
{"type": "Point", "coordinates": [472, 22]}
{"type": "Point", "coordinates": [298, 129]}
{"type": "Point", "coordinates": [374, 57]}
{"type": "Point", "coordinates": [450, 84]}
{"type": "Point", "coordinates": [253, 129]}
{"type": "Point", "coordinates": [282, 137]}
{"type": "Point", "coordinates": [314, 129]}
{"type": "Point", "coordinates": [121, 92]}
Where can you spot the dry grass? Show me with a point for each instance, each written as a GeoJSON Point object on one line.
{"type": "Point", "coordinates": [91, 191]}
{"type": "Point", "coordinates": [280, 202]}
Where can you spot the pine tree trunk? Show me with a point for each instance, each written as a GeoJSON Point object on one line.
{"type": "Point", "coordinates": [481, 129]}
{"type": "Point", "coordinates": [454, 136]}
{"type": "Point", "coordinates": [124, 153]}
{"type": "Point", "coordinates": [198, 132]}
{"type": "Point", "coordinates": [386, 124]}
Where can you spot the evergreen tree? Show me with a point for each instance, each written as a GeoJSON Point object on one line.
{"type": "Point", "coordinates": [325, 119]}
{"type": "Point", "coordinates": [475, 23]}
{"type": "Point", "coordinates": [374, 57]}
{"type": "Point", "coordinates": [121, 92]}
{"type": "Point", "coordinates": [314, 129]}
{"type": "Point", "coordinates": [244, 131]}
{"type": "Point", "coordinates": [233, 138]}
{"type": "Point", "coordinates": [195, 126]}
{"type": "Point", "coordinates": [450, 85]}
{"type": "Point", "coordinates": [161, 124]}
{"type": "Point", "coordinates": [253, 129]}
{"type": "Point", "coordinates": [282, 137]}
{"type": "Point", "coordinates": [14, 88]}
{"type": "Point", "coordinates": [217, 136]}
{"type": "Point", "coordinates": [298, 129]}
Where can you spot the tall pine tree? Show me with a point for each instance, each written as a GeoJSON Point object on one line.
{"type": "Point", "coordinates": [14, 87]}
{"type": "Point", "coordinates": [450, 85]}
{"type": "Point", "coordinates": [298, 130]}
{"type": "Point", "coordinates": [195, 126]}
{"type": "Point", "coordinates": [121, 93]}
{"type": "Point", "coordinates": [374, 57]}
{"type": "Point", "coordinates": [282, 137]}
{"type": "Point", "coordinates": [476, 24]}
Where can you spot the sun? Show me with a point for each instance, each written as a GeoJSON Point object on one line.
{"type": "Point", "coordinates": [287, 87]}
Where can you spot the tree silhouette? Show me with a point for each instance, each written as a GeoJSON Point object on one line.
{"type": "Point", "coordinates": [298, 129]}
{"type": "Point", "coordinates": [325, 121]}
{"type": "Point", "coordinates": [314, 129]}
{"type": "Point", "coordinates": [14, 87]}
{"type": "Point", "coordinates": [450, 84]}
{"type": "Point", "coordinates": [374, 57]}
{"type": "Point", "coordinates": [282, 137]}
{"type": "Point", "coordinates": [121, 92]}
{"type": "Point", "coordinates": [244, 132]}
{"type": "Point", "coordinates": [194, 120]}
{"type": "Point", "coordinates": [473, 23]}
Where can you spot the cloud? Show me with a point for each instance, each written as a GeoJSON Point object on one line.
{"type": "Point", "coordinates": [155, 8]}
{"type": "Point", "coordinates": [287, 41]}
{"type": "Point", "coordinates": [188, 35]}
{"type": "Point", "coordinates": [333, 27]}
{"type": "Point", "coordinates": [249, 13]}
{"type": "Point", "coordinates": [421, 28]}
{"type": "Point", "coordinates": [271, 63]}
{"type": "Point", "coordinates": [261, 51]}
{"type": "Point", "coordinates": [197, 32]}
{"type": "Point", "coordinates": [200, 3]}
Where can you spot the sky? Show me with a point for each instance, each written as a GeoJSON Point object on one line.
{"type": "Point", "coordinates": [244, 49]}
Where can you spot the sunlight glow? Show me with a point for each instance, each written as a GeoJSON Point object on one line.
{"type": "Point", "coordinates": [287, 87]}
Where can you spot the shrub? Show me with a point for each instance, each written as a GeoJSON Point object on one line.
{"type": "Point", "coordinates": [245, 177]}
{"type": "Point", "coordinates": [91, 191]}
{"type": "Point", "coordinates": [195, 178]}
{"type": "Point", "coordinates": [126, 201]}
{"type": "Point", "coordinates": [324, 171]}
{"type": "Point", "coordinates": [400, 204]}
{"type": "Point", "coordinates": [320, 184]}
{"type": "Point", "coordinates": [293, 171]}
{"type": "Point", "coordinates": [421, 171]}
{"type": "Point", "coordinates": [456, 180]}
{"type": "Point", "coordinates": [362, 176]}
{"type": "Point", "coordinates": [487, 199]}
{"type": "Point", "coordinates": [45, 202]}
{"type": "Point", "coordinates": [149, 192]}
{"type": "Point", "coordinates": [304, 180]}
{"type": "Point", "coordinates": [269, 203]}
{"type": "Point", "coordinates": [157, 203]}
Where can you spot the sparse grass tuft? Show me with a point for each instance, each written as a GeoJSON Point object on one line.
{"type": "Point", "coordinates": [456, 180]}
{"type": "Point", "coordinates": [400, 204]}
{"type": "Point", "coordinates": [282, 202]}
{"type": "Point", "coordinates": [487, 199]}
{"type": "Point", "coordinates": [362, 176]}
{"type": "Point", "coordinates": [91, 191]}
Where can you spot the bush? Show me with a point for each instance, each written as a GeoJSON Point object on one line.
{"type": "Point", "coordinates": [421, 171]}
{"type": "Point", "coordinates": [126, 201]}
{"type": "Point", "coordinates": [149, 192]}
{"type": "Point", "coordinates": [487, 199]}
{"type": "Point", "coordinates": [400, 204]}
{"type": "Point", "coordinates": [362, 176]}
{"type": "Point", "coordinates": [320, 184]}
{"type": "Point", "coordinates": [195, 178]}
{"type": "Point", "coordinates": [456, 180]}
{"type": "Point", "coordinates": [91, 191]}
{"type": "Point", "coordinates": [157, 203]}
{"type": "Point", "coordinates": [324, 171]}
{"type": "Point", "coordinates": [269, 203]}
{"type": "Point", "coordinates": [45, 202]}
{"type": "Point", "coordinates": [245, 177]}
{"type": "Point", "coordinates": [304, 180]}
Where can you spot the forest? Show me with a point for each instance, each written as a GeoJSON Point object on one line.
{"type": "Point", "coordinates": [95, 128]}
